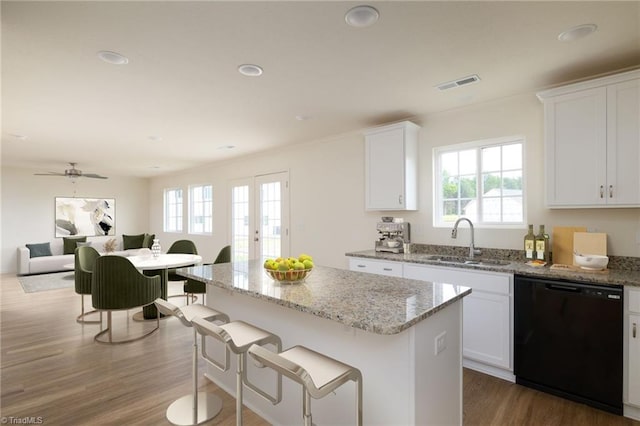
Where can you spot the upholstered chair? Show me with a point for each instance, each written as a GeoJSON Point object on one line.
{"type": "Point", "coordinates": [192, 287]}
{"type": "Point", "coordinates": [117, 285]}
{"type": "Point", "coordinates": [183, 247]}
{"type": "Point", "coordinates": [84, 259]}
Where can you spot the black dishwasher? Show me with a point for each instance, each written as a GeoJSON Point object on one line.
{"type": "Point", "coordinates": [568, 340]}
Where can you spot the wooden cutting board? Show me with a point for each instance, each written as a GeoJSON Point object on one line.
{"type": "Point", "coordinates": [562, 243]}
{"type": "Point", "coordinates": [590, 243]}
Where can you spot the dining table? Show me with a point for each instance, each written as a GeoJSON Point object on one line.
{"type": "Point", "coordinates": [151, 265]}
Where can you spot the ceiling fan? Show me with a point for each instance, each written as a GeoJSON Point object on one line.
{"type": "Point", "coordinates": [73, 173]}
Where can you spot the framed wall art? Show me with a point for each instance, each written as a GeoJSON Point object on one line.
{"type": "Point", "coordinates": [85, 216]}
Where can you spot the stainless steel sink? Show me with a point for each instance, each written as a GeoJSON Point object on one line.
{"type": "Point", "coordinates": [466, 260]}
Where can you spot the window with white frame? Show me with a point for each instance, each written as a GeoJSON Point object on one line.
{"type": "Point", "coordinates": [482, 181]}
{"type": "Point", "coordinates": [201, 209]}
{"type": "Point", "coordinates": [173, 210]}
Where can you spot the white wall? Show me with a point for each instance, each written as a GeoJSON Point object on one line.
{"type": "Point", "coordinates": [28, 207]}
{"type": "Point", "coordinates": [327, 188]}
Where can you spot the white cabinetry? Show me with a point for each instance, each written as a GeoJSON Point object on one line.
{"type": "Point", "coordinates": [487, 315]}
{"type": "Point", "coordinates": [391, 269]}
{"type": "Point", "coordinates": [592, 142]}
{"type": "Point", "coordinates": [633, 350]}
{"type": "Point", "coordinates": [391, 167]}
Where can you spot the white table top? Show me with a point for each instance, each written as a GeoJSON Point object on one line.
{"type": "Point", "coordinates": [173, 260]}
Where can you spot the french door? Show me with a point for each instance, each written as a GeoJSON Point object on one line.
{"type": "Point", "coordinates": [260, 217]}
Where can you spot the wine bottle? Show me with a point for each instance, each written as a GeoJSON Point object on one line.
{"type": "Point", "coordinates": [542, 245]}
{"type": "Point", "coordinates": [530, 244]}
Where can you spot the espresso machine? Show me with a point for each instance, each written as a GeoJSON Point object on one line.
{"type": "Point", "coordinates": [392, 235]}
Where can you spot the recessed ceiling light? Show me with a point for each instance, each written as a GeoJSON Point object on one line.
{"type": "Point", "coordinates": [155, 138]}
{"type": "Point", "coordinates": [362, 16]}
{"type": "Point", "coordinates": [113, 58]}
{"type": "Point", "coordinates": [250, 70]}
{"type": "Point", "coordinates": [17, 136]}
{"type": "Point", "coordinates": [577, 32]}
{"type": "Point", "coordinates": [226, 146]}
{"type": "Point", "coordinates": [303, 117]}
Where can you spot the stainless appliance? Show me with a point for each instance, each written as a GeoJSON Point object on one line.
{"type": "Point", "coordinates": [392, 236]}
{"type": "Point", "coordinates": [568, 340]}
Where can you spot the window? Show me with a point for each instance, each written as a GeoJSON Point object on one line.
{"type": "Point", "coordinates": [201, 209]}
{"type": "Point", "coordinates": [482, 181]}
{"type": "Point", "coordinates": [173, 210]}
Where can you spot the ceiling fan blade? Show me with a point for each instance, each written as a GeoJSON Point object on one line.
{"type": "Point", "coordinates": [49, 174]}
{"type": "Point", "coordinates": [94, 176]}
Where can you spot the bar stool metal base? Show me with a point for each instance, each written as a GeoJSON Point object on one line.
{"type": "Point", "coordinates": [180, 412]}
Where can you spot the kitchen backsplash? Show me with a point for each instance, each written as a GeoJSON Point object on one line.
{"type": "Point", "coordinates": [615, 262]}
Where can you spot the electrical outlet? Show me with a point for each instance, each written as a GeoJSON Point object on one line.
{"type": "Point", "coordinates": [440, 342]}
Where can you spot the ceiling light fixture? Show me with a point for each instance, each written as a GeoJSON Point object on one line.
{"type": "Point", "coordinates": [362, 16]}
{"type": "Point", "coordinates": [17, 136]}
{"type": "Point", "coordinates": [577, 32]}
{"type": "Point", "coordinates": [155, 138]}
{"type": "Point", "coordinates": [250, 70]}
{"type": "Point", "coordinates": [226, 146]}
{"type": "Point", "coordinates": [303, 117]}
{"type": "Point", "coordinates": [113, 58]}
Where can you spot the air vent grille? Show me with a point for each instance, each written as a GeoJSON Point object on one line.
{"type": "Point", "coordinates": [459, 82]}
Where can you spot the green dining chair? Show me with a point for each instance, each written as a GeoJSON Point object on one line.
{"type": "Point", "coordinates": [181, 247]}
{"type": "Point", "coordinates": [117, 285]}
{"type": "Point", "coordinates": [193, 287]}
{"type": "Point", "coordinates": [83, 269]}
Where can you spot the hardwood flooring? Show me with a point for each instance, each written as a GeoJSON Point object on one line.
{"type": "Point", "coordinates": [51, 369]}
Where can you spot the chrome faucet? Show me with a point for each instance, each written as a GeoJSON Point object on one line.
{"type": "Point", "coordinates": [454, 233]}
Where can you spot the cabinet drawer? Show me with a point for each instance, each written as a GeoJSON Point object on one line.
{"type": "Point", "coordinates": [391, 269]}
{"type": "Point", "coordinates": [634, 301]}
{"type": "Point", "coordinates": [477, 280]}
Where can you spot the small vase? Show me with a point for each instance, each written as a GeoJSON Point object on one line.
{"type": "Point", "coordinates": [155, 247]}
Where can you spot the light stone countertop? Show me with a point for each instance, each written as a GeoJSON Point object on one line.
{"type": "Point", "coordinates": [626, 277]}
{"type": "Point", "coordinates": [374, 303]}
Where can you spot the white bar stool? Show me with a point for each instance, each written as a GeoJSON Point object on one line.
{"type": "Point", "coordinates": [238, 336]}
{"type": "Point", "coordinates": [197, 407]}
{"type": "Point", "coordinates": [317, 373]}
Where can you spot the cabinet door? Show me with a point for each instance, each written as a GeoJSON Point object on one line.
{"type": "Point", "coordinates": [623, 143]}
{"type": "Point", "coordinates": [633, 394]}
{"type": "Point", "coordinates": [385, 170]}
{"type": "Point", "coordinates": [486, 332]}
{"type": "Point", "coordinates": [390, 269]}
{"type": "Point", "coordinates": [575, 143]}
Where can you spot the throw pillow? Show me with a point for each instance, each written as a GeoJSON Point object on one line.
{"type": "Point", "coordinates": [85, 244]}
{"type": "Point", "coordinates": [70, 244]}
{"type": "Point", "coordinates": [39, 250]}
{"type": "Point", "coordinates": [132, 241]}
{"type": "Point", "coordinates": [148, 240]}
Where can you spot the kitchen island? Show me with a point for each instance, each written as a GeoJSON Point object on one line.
{"type": "Point", "coordinates": [386, 327]}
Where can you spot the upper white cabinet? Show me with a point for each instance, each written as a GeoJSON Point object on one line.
{"type": "Point", "coordinates": [391, 167]}
{"type": "Point", "coordinates": [592, 142]}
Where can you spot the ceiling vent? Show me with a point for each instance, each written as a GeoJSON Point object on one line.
{"type": "Point", "coordinates": [459, 82]}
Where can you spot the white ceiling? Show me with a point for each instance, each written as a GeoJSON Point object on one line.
{"type": "Point", "coordinates": [182, 83]}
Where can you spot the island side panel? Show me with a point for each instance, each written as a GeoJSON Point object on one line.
{"type": "Point", "coordinates": [392, 366]}
{"type": "Point", "coordinates": [438, 385]}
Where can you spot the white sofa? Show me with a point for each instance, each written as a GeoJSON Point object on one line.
{"type": "Point", "coordinates": [55, 263]}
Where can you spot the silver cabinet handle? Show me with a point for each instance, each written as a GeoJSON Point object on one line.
{"type": "Point", "coordinates": [400, 199]}
{"type": "Point", "coordinates": [387, 269]}
{"type": "Point", "coordinates": [601, 191]}
{"type": "Point", "coordinates": [610, 191]}
{"type": "Point", "coordinates": [361, 266]}
{"type": "Point", "coordinates": [634, 330]}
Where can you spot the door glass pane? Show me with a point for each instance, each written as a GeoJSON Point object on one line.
{"type": "Point", "coordinates": [271, 219]}
{"type": "Point", "coordinates": [240, 223]}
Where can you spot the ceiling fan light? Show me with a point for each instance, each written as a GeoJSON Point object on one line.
{"type": "Point", "coordinates": [250, 70]}
{"type": "Point", "coordinates": [362, 16]}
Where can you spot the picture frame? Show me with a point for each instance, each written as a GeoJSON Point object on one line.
{"type": "Point", "coordinates": [85, 216]}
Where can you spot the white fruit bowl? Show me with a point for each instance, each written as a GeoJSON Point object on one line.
{"type": "Point", "coordinates": [289, 277]}
{"type": "Point", "coordinates": [594, 262]}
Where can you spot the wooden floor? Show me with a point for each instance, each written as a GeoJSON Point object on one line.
{"type": "Point", "coordinates": [52, 369]}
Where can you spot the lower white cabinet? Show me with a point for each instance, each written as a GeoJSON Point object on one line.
{"type": "Point", "coordinates": [391, 269]}
{"type": "Point", "coordinates": [487, 315]}
{"type": "Point", "coordinates": [633, 345]}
